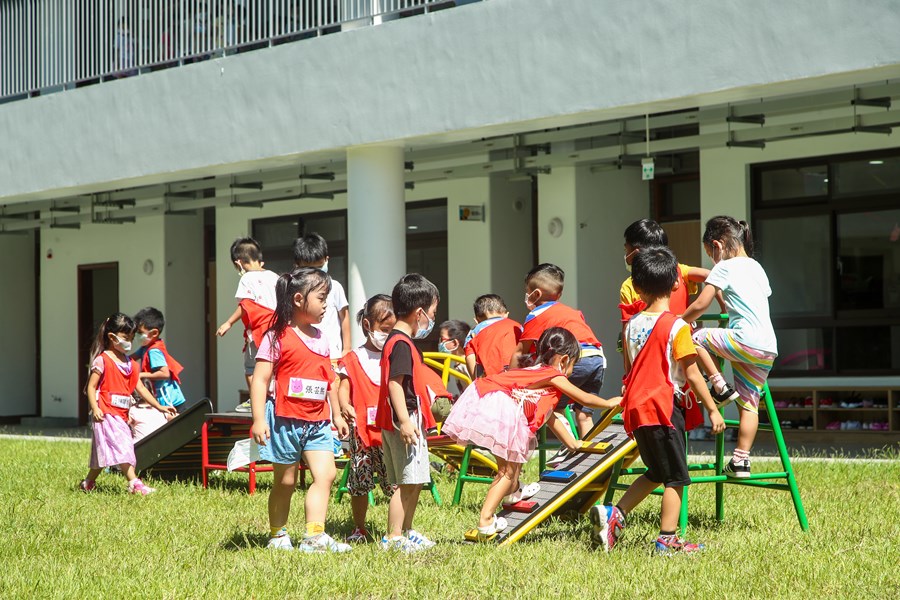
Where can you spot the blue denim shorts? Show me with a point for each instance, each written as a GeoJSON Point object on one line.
{"type": "Point", "coordinates": [588, 377]}
{"type": "Point", "coordinates": [290, 438]}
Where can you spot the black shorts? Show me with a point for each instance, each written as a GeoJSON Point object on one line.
{"type": "Point", "coordinates": [664, 452]}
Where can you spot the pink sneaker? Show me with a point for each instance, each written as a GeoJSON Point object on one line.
{"type": "Point", "coordinates": [87, 485]}
{"type": "Point", "coordinates": [138, 487]}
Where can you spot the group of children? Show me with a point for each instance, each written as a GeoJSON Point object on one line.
{"type": "Point", "coordinates": [304, 389]}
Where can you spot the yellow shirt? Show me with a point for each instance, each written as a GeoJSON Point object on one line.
{"type": "Point", "coordinates": [627, 295]}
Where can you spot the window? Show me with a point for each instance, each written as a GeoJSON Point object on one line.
{"type": "Point", "coordinates": [828, 235]}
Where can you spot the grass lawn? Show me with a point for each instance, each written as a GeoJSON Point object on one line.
{"type": "Point", "coordinates": [185, 541]}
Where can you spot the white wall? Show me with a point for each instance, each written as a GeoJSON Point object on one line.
{"type": "Point", "coordinates": [18, 322]}
{"type": "Point", "coordinates": [558, 199]}
{"type": "Point", "coordinates": [512, 248]}
{"type": "Point", "coordinates": [491, 68]}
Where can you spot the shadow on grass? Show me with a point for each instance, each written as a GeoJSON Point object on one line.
{"type": "Point", "coordinates": [241, 540]}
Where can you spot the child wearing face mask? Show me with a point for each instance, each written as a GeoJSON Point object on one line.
{"type": "Point", "coordinates": [113, 379]}
{"type": "Point", "coordinates": [360, 374]}
{"type": "Point", "coordinates": [453, 341]}
{"type": "Point", "coordinates": [503, 412]}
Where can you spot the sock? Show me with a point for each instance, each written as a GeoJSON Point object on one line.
{"type": "Point", "coordinates": [314, 528]}
{"type": "Point", "coordinates": [718, 382]}
{"type": "Point", "coordinates": [277, 531]}
{"type": "Point", "coordinates": [668, 536]}
{"type": "Point", "coordinates": [740, 455]}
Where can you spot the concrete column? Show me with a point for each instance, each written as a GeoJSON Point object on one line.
{"type": "Point", "coordinates": [18, 322]}
{"type": "Point", "coordinates": [376, 224]}
{"type": "Point", "coordinates": [558, 226]}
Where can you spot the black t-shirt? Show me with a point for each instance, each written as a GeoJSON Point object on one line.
{"type": "Point", "coordinates": [401, 363]}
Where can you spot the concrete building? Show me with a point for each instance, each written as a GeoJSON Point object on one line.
{"type": "Point", "coordinates": [138, 140]}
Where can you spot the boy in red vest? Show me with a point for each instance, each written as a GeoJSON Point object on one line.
{"type": "Point", "coordinates": [404, 408]}
{"type": "Point", "coordinates": [157, 365]}
{"type": "Point", "coordinates": [659, 359]}
{"type": "Point", "coordinates": [543, 288]}
{"type": "Point", "coordinates": [494, 339]}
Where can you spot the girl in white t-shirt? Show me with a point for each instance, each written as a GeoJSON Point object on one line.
{"type": "Point", "coordinates": [749, 340]}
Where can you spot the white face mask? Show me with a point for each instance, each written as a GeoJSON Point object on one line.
{"type": "Point", "coordinates": [125, 345]}
{"type": "Point", "coordinates": [528, 303]}
{"type": "Point", "coordinates": [140, 340]}
{"type": "Point", "coordinates": [378, 338]}
{"type": "Point", "coordinates": [324, 267]}
{"type": "Point", "coordinates": [627, 266]}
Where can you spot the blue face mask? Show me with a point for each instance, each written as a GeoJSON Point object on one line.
{"type": "Point", "coordinates": [442, 347]}
{"type": "Point", "coordinates": [421, 334]}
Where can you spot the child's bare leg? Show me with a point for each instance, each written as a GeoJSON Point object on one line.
{"type": "Point", "coordinates": [129, 471]}
{"type": "Point", "coordinates": [636, 493]}
{"type": "Point", "coordinates": [747, 430]}
{"type": "Point", "coordinates": [671, 509]}
{"type": "Point", "coordinates": [402, 508]}
{"type": "Point", "coordinates": [360, 506]}
{"type": "Point", "coordinates": [507, 476]}
{"type": "Point", "coordinates": [280, 496]}
{"type": "Point", "coordinates": [559, 425]}
{"type": "Point", "coordinates": [321, 466]}
{"type": "Point", "coordinates": [410, 503]}
{"type": "Point", "coordinates": [708, 364]}
{"type": "Point", "coordinates": [583, 421]}
{"type": "Point", "coordinates": [93, 474]}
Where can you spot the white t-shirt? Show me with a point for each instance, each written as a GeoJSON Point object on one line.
{"type": "Point", "coordinates": [746, 291]}
{"type": "Point", "coordinates": [258, 286]}
{"type": "Point", "coordinates": [371, 364]}
{"type": "Point", "coordinates": [680, 344]}
{"type": "Point", "coordinates": [331, 322]}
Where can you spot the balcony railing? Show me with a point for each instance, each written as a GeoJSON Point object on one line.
{"type": "Point", "coordinates": [52, 45]}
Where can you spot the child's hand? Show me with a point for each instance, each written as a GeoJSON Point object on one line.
{"type": "Point", "coordinates": [409, 433]}
{"type": "Point", "coordinates": [347, 413]}
{"type": "Point", "coordinates": [718, 423]}
{"type": "Point", "coordinates": [223, 329]}
{"type": "Point", "coordinates": [97, 414]}
{"type": "Point", "coordinates": [341, 425]}
{"type": "Point", "coordinates": [260, 432]}
{"type": "Point", "coordinates": [614, 402]}
{"type": "Point", "coordinates": [169, 411]}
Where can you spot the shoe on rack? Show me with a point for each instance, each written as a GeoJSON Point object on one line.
{"type": "Point", "coordinates": [738, 470]}
{"type": "Point", "coordinates": [322, 542]}
{"type": "Point", "coordinates": [243, 407]}
{"type": "Point", "coordinates": [608, 523]}
{"type": "Point", "coordinates": [669, 545]}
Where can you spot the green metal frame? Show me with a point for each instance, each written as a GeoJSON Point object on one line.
{"type": "Point", "coordinates": [343, 489]}
{"type": "Point", "coordinates": [760, 480]}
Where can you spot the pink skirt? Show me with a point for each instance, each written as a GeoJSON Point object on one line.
{"type": "Point", "coordinates": [494, 421]}
{"type": "Point", "coordinates": [112, 443]}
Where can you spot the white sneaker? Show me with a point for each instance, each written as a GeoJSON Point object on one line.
{"type": "Point", "coordinates": [322, 542]}
{"type": "Point", "coordinates": [243, 407]}
{"type": "Point", "coordinates": [561, 456]}
{"type": "Point", "coordinates": [523, 493]}
{"type": "Point", "coordinates": [400, 544]}
{"type": "Point", "coordinates": [282, 542]}
{"type": "Point", "coordinates": [419, 540]}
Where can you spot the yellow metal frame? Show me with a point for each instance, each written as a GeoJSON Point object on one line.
{"type": "Point", "coordinates": [441, 362]}
{"type": "Point", "coordinates": [458, 450]}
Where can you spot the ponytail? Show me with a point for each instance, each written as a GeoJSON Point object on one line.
{"type": "Point", "coordinates": [556, 340]}
{"type": "Point", "coordinates": [731, 233]}
{"type": "Point", "coordinates": [303, 281]}
{"type": "Point", "coordinates": [746, 238]}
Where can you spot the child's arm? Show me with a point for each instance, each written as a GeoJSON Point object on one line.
{"type": "Point", "coordinates": [160, 374]}
{"type": "Point", "coordinates": [336, 417]}
{"type": "Point", "coordinates": [147, 397]}
{"type": "Point", "coordinates": [698, 385]}
{"type": "Point", "coordinates": [522, 351]}
{"type": "Point", "coordinates": [471, 365]}
{"type": "Point", "coordinates": [93, 381]}
{"type": "Point", "coordinates": [582, 397]}
{"type": "Point", "coordinates": [562, 432]}
{"type": "Point", "coordinates": [701, 304]}
{"type": "Point", "coordinates": [259, 388]}
{"type": "Point", "coordinates": [697, 274]}
{"type": "Point", "coordinates": [234, 318]}
{"type": "Point", "coordinates": [408, 430]}
{"type": "Point", "coordinates": [344, 316]}
{"type": "Point", "coordinates": [344, 398]}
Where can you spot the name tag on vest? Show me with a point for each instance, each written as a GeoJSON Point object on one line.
{"type": "Point", "coordinates": [370, 415]}
{"type": "Point", "coordinates": [307, 389]}
{"type": "Point", "coordinates": [120, 401]}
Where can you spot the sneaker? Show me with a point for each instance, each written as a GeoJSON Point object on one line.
{"type": "Point", "coordinates": [560, 457]}
{"type": "Point", "coordinates": [281, 542]}
{"type": "Point", "coordinates": [523, 493]}
{"type": "Point", "coordinates": [488, 533]}
{"type": "Point", "coordinates": [87, 485]}
{"type": "Point", "coordinates": [725, 397]}
{"type": "Point", "coordinates": [667, 546]}
{"type": "Point", "coordinates": [138, 487]}
{"type": "Point", "coordinates": [357, 536]}
{"type": "Point", "coordinates": [400, 544]}
{"type": "Point", "coordinates": [608, 522]}
{"type": "Point", "coordinates": [419, 540]}
{"type": "Point", "coordinates": [243, 407]}
{"type": "Point", "coordinates": [322, 542]}
{"type": "Point", "coordinates": [738, 470]}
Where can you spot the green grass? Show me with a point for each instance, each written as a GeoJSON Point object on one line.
{"type": "Point", "coordinates": [185, 541]}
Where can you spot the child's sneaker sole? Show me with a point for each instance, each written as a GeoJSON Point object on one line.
{"type": "Point", "coordinates": [602, 520]}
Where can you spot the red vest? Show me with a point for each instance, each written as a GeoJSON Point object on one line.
{"type": "Point", "coordinates": [256, 319]}
{"type": "Point", "coordinates": [384, 418]}
{"type": "Point", "coordinates": [435, 385]}
{"type": "Point", "coordinates": [116, 388]}
{"type": "Point", "coordinates": [175, 367]}
{"type": "Point", "coordinates": [494, 345]}
{"type": "Point", "coordinates": [364, 398]}
{"type": "Point", "coordinates": [649, 397]}
{"type": "Point", "coordinates": [560, 315]}
{"type": "Point", "coordinates": [514, 379]}
{"type": "Point", "coordinates": [302, 380]}
{"type": "Point", "coordinates": [678, 301]}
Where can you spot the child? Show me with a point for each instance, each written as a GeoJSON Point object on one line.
{"type": "Point", "coordinates": [543, 288]}
{"type": "Point", "coordinates": [495, 337]}
{"type": "Point", "coordinates": [157, 365]}
{"type": "Point", "coordinates": [295, 425]}
{"type": "Point", "coordinates": [360, 373]}
{"type": "Point", "coordinates": [113, 378]}
{"type": "Point", "coordinates": [452, 341]}
{"type": "Point", "coordinates": [660, 358]}
{"type": "Point", "coordinates": [311, 250]}
{"type": "Point", "coordinates": [404, 411]}
{"type": "Point", "coordinates": [503, 412]}
{"type": "Point", "coordinates": [749, 340]}
{"type": "Point", "coordinates": [256, 300]}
